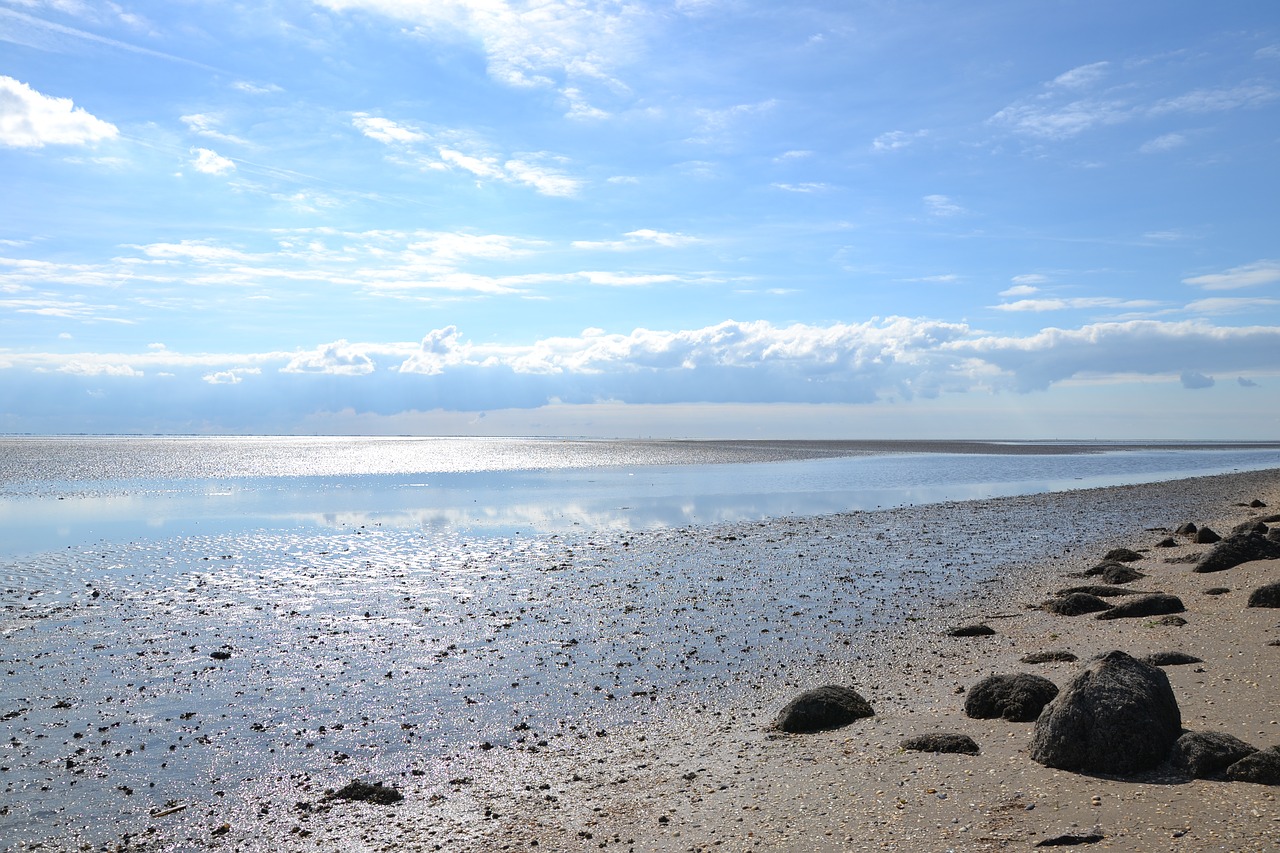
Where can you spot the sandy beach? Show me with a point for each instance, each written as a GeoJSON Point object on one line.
{"type": "Point", "coordinates": [707, 771]}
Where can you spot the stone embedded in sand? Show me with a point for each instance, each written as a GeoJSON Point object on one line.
{"type": "Point", "coordinates": [1206, 754]}
{"type": "Point", "coordinates": [1266, 596]}
{"type": "Point", "coordinates": [942, 742]}
{"type": "Point", "coordinates": [1117, 716]}
{"type": "Point", "coordinates": [829, 707]}
{"type": "Point", "coordinates": [1049, 657]}
{"type": "Point", "coordinates": [1236, 549]}
{"type": "Point", "coordinates": [1217, 590]}
{"type": "Point", "coordinates": [1075, 604]}
{"type": "Point", "coordinates": [1145, 605]}
{"type": "Point", "coordinates": [1167, 542]}
{"type": "Point", "coordinates": [1171, 659]}
{"type": "Point", "coordinates": [1071, 839]}
{"type": "Point", "coordinates": [1256, 504]}
{"type": "Point", "coordinates": [1206, 536]}
{"type": "Point", "coordinates": [1249, 527]}
{"type": "Point", "coordinates": [1171, 621]}
{"type": "Point", "coordinates": [1018, 698]}
{"type": "Point", "coordinates": [1270, 519]}
{"type": "Point", "coordinates": [1118, 574]}
{"type": "Point", "coordinates": [1187, 529]}
{"type": "Point", "coordinates": [1261, 767]}
{"type": "Point", "coordinates": [1122, 555]}
{"type": "Point", "coordinates": [367, 792]}
{"type": "Point", "coordinates": [972, 631]}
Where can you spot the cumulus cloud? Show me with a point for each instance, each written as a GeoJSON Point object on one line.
{"type": "Point", "coordinates": [29, 119]}
{"type": "Point", "coordinates": [211, 162]}
{"type": "Point", "coordinates": [233, 376]}
{"type": "Point", "coordinates": [1248, 275]}
{"type": "Point", "coordinates": [338, 358]}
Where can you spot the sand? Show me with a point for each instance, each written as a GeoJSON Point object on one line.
{"type": "Point", "coordinates": [713, 775]}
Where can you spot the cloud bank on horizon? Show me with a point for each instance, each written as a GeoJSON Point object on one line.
{"type": "Point", "coordinates": [690, 217]}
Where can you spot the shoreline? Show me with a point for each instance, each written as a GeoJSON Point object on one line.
{"type": "Point", "coordinates": [710, 775]}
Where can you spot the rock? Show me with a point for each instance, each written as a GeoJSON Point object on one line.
{"type": "Point", "coordinates": [1170, 659]}
{"type": "Point", "coordinates": [220, 655]}
{"type": "Point", "coordinates": [1266, 596]}
{"type": "Point", "coordinates": [1144, 605]}
{"type": "Point", "coordinates": [1167, 542]}
{"type": "Point", "coordinates": [1101, 590]}
{"type": "Point", "coordinates": [1118, 574]}
{"type": "Point", "coordinates": [1205, 536]}
{"type": "Point", "coordinates": [1049, 657]}
{"type": "Point", "coordinates": [1273, 535]}
{"type": "Point", "coordinates": [1261, 768]}
{"type": "Point", "coordinates": [367, 792]}
{"type": "Point", "coordinates": [1018, 698]}
{"type": "Point", "coordinates": [1187, 529]}
{"type": "Point", "coordinates": [1206, 754]}
{"type": "Point", "coordinates": [1236, 549]}
{"type": "Point", "coordinates": [1184, 558]}
{"type": "Point", "coordinates": [1270, 519]}
{"type": "Point", "coordinates": [972, 631]}
{"type": "Point", "coordinates": [828, 707]}
{"type": "Point", "coordinates": [1122, 555]}
{"type": "Point", "coordinates": [1217, 590]}
{"type": "Point", "coordinates": [1075, 604]}
{"type": "Point", "coordinates": [1256, 504]}
{"type": "Point", "coordinates": [942, 742]}
{"type": "Point", "coordinates": [1071, 839]}
{"type": "Point", "coordinates": [1171, 621]}
{"type": "Point", "coordinates": [1249, 527]}
{"type": "Point", "coordinates": [1118, 716]}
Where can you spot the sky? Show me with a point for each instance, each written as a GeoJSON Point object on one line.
{"type": "Point", "coordinates": [679, 218]}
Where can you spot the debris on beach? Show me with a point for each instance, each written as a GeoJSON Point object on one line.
{"type": "Point", "coordinates": [1018, 698]}
{"type": "Point", "coordinates": [832, 706]}
{"type": "Point", "coordinates": [1118, 716]}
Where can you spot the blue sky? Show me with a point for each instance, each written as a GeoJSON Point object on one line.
{"type": "Point", "coordinates": [686, 218]}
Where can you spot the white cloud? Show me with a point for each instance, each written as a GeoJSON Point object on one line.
{"type": "Point", "coordinates": [1082, 76]}
{"type": "Point", "coordinates": [339, 358]}
{"type": "Point", "coordinates": [1020, 290]}
{"type": "Point", "coordinates": [385, 130]}
{"type": "Point", "coordinates": [1216, 100]}
{"type": "Point", "coordinates": [616, 279]}
{"type": "Point", "coordinates": [1030, 278]}
{"type": "Point", "coordinates": [895, 140]}
{"type": "Point", "coordinates": [256, 88]}
{"type": "Point", "coordinates": [29, 119]}
{"type": "Point", "coordinates": [802, 188]}
{"type": "Point", "coordinates": [1249, 275]}
{"type": "Point", "coordinates": [1160, 144]}
{"type": "Point", "coordinates": [96, 368]}
{"type": "Point", "coordinates": [1035, 118]}
{"type": "Point", "coordinates": [641, 238]}
{"type": "Point", "coordinates": [207, 125]}
{"type": "Point", "coordinates": [1230, 305]}
{"type": "Point", "coordinates": [941, 205]}
{"type": "Point", "coordinates": [1053, 304]}
{"type": "Point", "coordinates": [211, 162]}
{"type": "Point", "coordinates": [233, 376]}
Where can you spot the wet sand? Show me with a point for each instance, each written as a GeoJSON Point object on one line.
{"type": "Point", "coordinates": [691, 763]}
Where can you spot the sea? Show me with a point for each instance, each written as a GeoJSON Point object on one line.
{"type": "Point", "coordinates": [210, 623]}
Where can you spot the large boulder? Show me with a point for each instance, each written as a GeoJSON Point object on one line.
{"type": "Point", "coordinates": [1236, 549]}
{"type": "Point", "coordinates": [1018, 698]}
{"type": "Point", "coordinates": [1261, 767]}
{"type": "Point", "coordinates": [1118, 716]}
{"type": "Point", "coordinates": [1156, 604]}
{"type": "Point", "coordinates": [1266, 596]}
{"type": "Point", "coordinates": [1203, 755]}
{"type": "Point", "coordinates": [828, 707]}
{"type": "Point", "coordinates": [1249, 527]}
